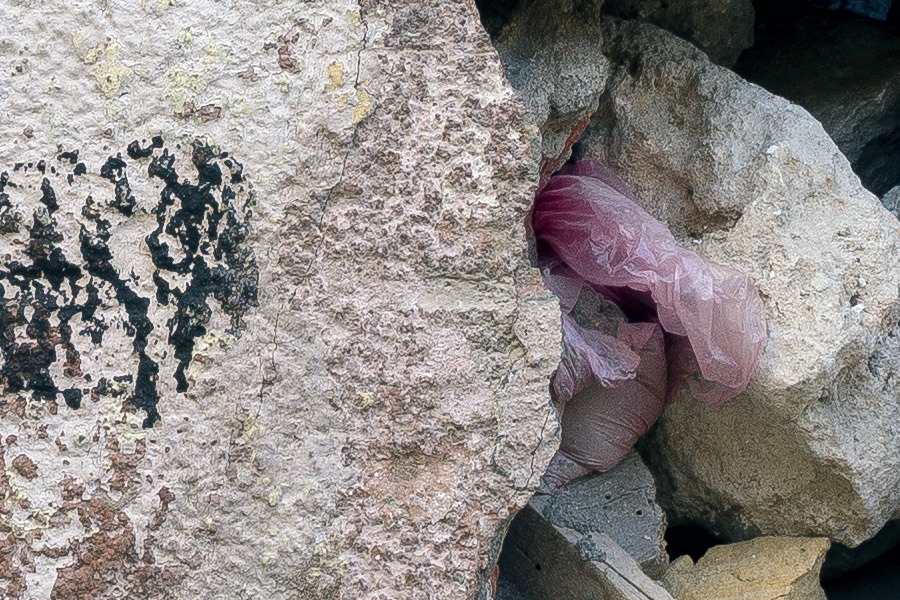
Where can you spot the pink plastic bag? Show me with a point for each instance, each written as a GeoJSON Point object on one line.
{"type": "Point", "coordinates": [690, 322]}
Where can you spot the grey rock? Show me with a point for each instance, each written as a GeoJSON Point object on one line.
{"type": "Point", "coordinates": [620, 503]}
{"type": "Point", "coordinates": [843, 70]}
{"type": "Point", "coordinates": [552, 562]}
{"type": "Point", "coordinates": [754, 182]}
{"type": "Point", "coordinates": [507, 590]}
{"type": "Point", "coordinates": [721, 28]}
{"type": "Point", "coordinates": [891, 201]}
{"type": "Point", "coordinates": [552, 56]}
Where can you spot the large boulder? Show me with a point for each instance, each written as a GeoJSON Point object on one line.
{"type": "Point", "coordinates": [754, 182]}
{"type": "Point", "coordinates": [267, 322]}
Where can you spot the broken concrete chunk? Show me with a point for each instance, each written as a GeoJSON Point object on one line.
{"type": "Point", "coordinates": [765, 568]}
{"type": "Point", "coordinates": [721, 28]}
{"type": "Point", "coordinates": [551, 53]}
{"type": "Point", "coordinates": [621, 504]}
{"type": "Point", "coordinates": [367, 425]}
{"type": "Point", "coordinates": [545, 561]}
{"type": "Point", "coordinates": [755, 183]}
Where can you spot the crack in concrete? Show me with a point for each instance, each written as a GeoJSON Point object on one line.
{"type": "Point", "coordinates": [352, 144]}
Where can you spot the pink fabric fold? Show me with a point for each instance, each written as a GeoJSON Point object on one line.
{"type": "Point", "coordinates": [691, 323]}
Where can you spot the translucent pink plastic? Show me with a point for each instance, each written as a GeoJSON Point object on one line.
{"type": "Point", "coordinates": [690, 324]}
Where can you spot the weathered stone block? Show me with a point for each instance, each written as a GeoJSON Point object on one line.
{"type": "Point", "coordinates": [620, 503]}
{"type": "Point", "coordinates": [766, 568]}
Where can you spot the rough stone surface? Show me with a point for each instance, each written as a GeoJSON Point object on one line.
{"type": "Point", "coordinates": [620, 503]}
{"type": "Point", "coordinates": [891, 201]}
{"type": "Point", "coordinates": [766, 568]}
{"type": "Point", "coordinates": [547, 561]}
{"type": "Point", "coordinates": [313, 285]}
{"type": "Point", "coordinates": [551, 53]}
{"type": "Point", "coordinates": [843, 70]}
{"type": "Point", "coordinates": [755, 183]}
{"type": "Point", "coordinates": [722, 29]}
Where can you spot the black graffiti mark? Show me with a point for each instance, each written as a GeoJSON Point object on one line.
{"type": "Point", "coordinates": [114, 170]}
{"type": "Point", "coordinates": [9, 219]}
{"type": "Point", "coordinates": [200, 238]}
{"type": "Point", "coordinates": [135, 151]}
{"type": "Point", "coordinates": [98, 258]}
{"type": "Point", "coordinates": [207, 225]}
{"type": "Point", "coordinates": [26, 364]}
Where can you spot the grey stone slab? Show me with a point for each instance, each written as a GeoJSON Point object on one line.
{"type": "Point", "coordinates": [620, 503]}
{"type": "Point", "coordinates": [548, 562]}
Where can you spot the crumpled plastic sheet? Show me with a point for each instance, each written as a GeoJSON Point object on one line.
{"type": "Point", "coordinates": [689, 323]}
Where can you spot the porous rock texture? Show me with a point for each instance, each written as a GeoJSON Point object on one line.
{"type": "Point", "coordinates": [267, 323]}
{"type": "Point", "coordinates": [620, 503]}
{"type": "Point", "coordinates": [765, 568]}
{"type": "Point", "coordinates": [552, 55]}
{"type": "Point", "coordinates": [754, 182]}
{"type": "Point", "coordinates": [891, 201]}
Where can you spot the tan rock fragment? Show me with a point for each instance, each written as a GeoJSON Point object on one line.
{"type": "Point", "coordinates": [764, 568]}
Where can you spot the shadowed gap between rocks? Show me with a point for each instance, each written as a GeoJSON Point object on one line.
{"type": "Point", "coordinates": [842, 68]}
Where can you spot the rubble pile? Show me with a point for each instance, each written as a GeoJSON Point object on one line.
{"type": "Point", "coordinates": [774, 157]}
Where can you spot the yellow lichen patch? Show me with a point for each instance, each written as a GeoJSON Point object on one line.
{"type": "Point", "coordinates": [125, 425]}
{"type": "Point", "coordinates": [283, 83]}
{"type": "Point", "coordinates": [238, 107]}
{"type": "Point", "coordinates": [274, 496]}
{"type": "Point", "coordinates": [343, 99]}
{"type": "Point", "coordinates": [366, 399]}
{"type": "Point", "coordinates": [218, 54]}
{"type": "Point", "coordinates": [336, 75]}
{"type": "Point", "coordinates": [158, 7]}
{"type": "Point", "coordinates": [114, 110]}
{"type": "Point", "coordinates": [184, 87]}
{"type": "Point", "coordinates": [110, 72]}
{"type": "Point", "coordinates": [185, 39]}
{"type": "Point", "coordinates": [363, 106]}
{"type": "Point", "coordinates": [251, 425]}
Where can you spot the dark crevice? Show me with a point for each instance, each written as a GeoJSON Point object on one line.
{"type": "Point", "coordinates": [842, 68]}
{"type": "Point", "coordinates": [495, 14]}
{"type": "Point", "coordinates": [690, 539]}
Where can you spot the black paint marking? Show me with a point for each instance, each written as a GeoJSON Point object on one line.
{"type": "Point", "coordinates": [201, 236]}
{"type": "Point", "coordinates": [135, 151]}
{"type": "Point", "coordinates": [192, 215]}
